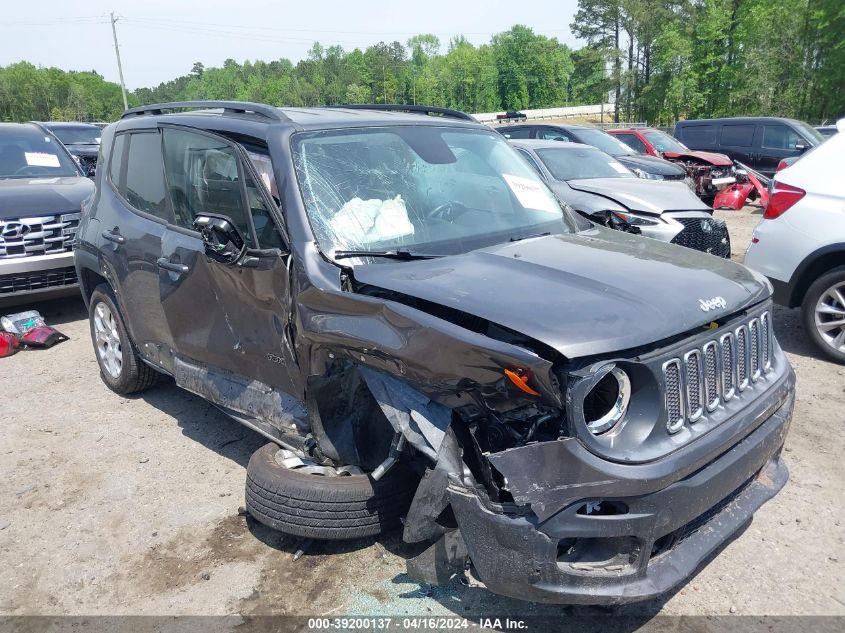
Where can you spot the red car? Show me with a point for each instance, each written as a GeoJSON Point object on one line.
{"type": "Point", "coordinates": [711, 172]}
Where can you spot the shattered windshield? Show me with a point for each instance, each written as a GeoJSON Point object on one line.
{"type": "Point", "coordinates": [420, 189]}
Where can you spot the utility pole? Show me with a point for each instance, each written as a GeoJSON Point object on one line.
{"type": "Point", "coordinates": [119, 65]}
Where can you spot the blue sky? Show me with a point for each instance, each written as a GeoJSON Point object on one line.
{"type": "Point", "coordinates": [161, 39]}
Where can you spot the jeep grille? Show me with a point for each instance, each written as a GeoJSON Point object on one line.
{"type": "Point", "coordinates": [703, 377]}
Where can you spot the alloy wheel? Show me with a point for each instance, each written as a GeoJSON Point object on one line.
{"type": "Point", "coordinates": [830, 316]}
{"type": "Point", "coordinates": [107, 340]}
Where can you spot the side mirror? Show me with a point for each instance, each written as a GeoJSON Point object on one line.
{"type": "Point", "coordinates": [222, 239]}
{"type": "Point", "coordinates": [801, 147]}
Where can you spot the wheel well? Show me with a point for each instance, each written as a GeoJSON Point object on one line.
{"type": "Point", "coordinates": [812, 268]}
{"type": "Point", "coordinates": [89, 280]}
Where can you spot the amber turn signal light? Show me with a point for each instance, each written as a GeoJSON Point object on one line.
{"type": "Point", "coordinates": [519, 377]}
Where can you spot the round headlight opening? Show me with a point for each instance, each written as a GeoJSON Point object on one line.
{"type": "Point", "coordinates": [607, 402]}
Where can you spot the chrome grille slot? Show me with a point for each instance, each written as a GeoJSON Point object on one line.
{"type": "Point", "coordinates": [42, 235]}
{"type": "Point", "coordinates": [754, 351]}
{"type": "Point", "coordinates": [711, 375]}
{"type": "Point", "coordinates": [674, 401]}
{"type": "Point", "coordinates": [766, 341]}
{"type": "Point", "coordinates": [742, 357]}
{"type": "Point", "coordinates": [693, 379]}
{"type": "Point", "coordinates": [728, 366]}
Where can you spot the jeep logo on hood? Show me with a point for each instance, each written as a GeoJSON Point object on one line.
{"type": "Point", "coordinates": [712, 304]}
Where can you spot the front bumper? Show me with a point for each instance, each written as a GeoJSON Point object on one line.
{"type": "Point", "coordinates": [657, 543]}
{"type": "Point", "coordinates": [37, 275]}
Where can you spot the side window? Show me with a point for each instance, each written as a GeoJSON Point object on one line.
{"type": "Point", "coordinates": [632, 141]}
{"type": "Point", "coordinates": [117, 160]}
{"type": "Point", "coordinates": [265, 227]}
{"type": "Point", "coordinates": [144, 188]}
{"type": "Point", "coordinates": [552, 135]}
{"type": "Point", "coordinates": [203, 176]}
{"type": "Point", "coordinates": [737, 135]}
{"type": "Point", "coordinates": [780, 137]}
{"type": "Point", "coordinates": [527, 156]}
{"type": "Point", "coordinates": [517, 132]}
{"type": "Point", "coordinates": [692, 135]}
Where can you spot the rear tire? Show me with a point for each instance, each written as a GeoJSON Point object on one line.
{"type": "Point", "coordinates": [121, 368]}
{"type": "Point", "coordinates": [822, 310]}
{"type": "Point", "coordinates": [325, 507]}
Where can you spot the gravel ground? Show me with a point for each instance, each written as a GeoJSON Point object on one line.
{"type": "Point", "coordinates": [112, 505]}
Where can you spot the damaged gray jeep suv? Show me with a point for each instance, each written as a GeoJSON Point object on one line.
{"type": "Point", "coordinates": [393, 297]}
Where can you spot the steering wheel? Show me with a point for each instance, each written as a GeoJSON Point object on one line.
{"type": "Point", "coordinates": [449, 211]}
{"type": "Point", "coordinates": [27, 168]}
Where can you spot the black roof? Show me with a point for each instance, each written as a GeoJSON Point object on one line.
{"type": "Point", "coordinates": [254, 119]}
{"type": "Point", "coordinates": [739, 119]}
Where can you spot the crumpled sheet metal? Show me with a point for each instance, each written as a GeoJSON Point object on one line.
{"type": "Point", "coordinates": [422, 421]}
{"type": "Point", "coordinates": [442, 360]}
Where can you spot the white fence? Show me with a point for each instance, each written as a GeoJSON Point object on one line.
{"type": "Point", "coordinates": [554, 113]}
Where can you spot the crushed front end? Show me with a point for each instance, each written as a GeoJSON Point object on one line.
{"type": "Point", "coordinates": [655, 460]}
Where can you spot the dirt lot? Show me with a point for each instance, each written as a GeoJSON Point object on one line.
{"type": "Point", "coordinates": [113, 505]}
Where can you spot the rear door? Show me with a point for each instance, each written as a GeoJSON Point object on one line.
{"type": "Point", "coordinates": [737, 141]}
{"type": "Point", "coordinates": [132, 229]}
{"type": "Point", "coordinates": [226, 319]}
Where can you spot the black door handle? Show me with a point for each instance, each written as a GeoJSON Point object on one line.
{"type": "Point", "coordinates": [166, 264]}
{"type": "Point", "coordinates": [114, 236]}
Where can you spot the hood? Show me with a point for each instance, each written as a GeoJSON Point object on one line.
{"type": "Point", "coordinates": [719, 160]}
{"type": "Point", "coordinates": [644, 196]}
{"type": "Point", "coordinates": [652, 165]}
{"type": "Point", "coordinates": [26, 197]}
{"type": "Point", "coordinates": [589, 293]}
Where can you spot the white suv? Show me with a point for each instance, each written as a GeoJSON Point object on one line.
{"type": "Point", "coordinates": [800, 242]}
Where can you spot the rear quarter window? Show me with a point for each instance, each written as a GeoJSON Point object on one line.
{"type": "Point", "coordinates": [741, 135]}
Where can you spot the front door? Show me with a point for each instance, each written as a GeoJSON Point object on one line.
{"type": "Point", "coordinates": [229, 321]}
{"type": "Point", "coordinates": [779, 141]}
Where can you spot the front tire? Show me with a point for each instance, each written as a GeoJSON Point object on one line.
{"type": "Point", "coordinates": [121, 367]}
{"type": "Point", "coordinates": [325, 507]}
{"type": "Point", "coordinates": [823, 312]}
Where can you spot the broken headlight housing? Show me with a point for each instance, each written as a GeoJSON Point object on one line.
{"type": "Point", "coordinates": [606, 403]}
{"type": "Point", "coordinates": [614, 406]}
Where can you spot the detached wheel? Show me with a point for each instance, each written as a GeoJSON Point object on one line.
{"type": "Point", "coordinates": [338, 506]}
{"type": "Point", "coordinates": [823, 312]}
{"type": "Point", "coordinates": [121, 368]}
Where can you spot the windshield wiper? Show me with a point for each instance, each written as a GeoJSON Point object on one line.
{"type": "Point", "coordinates": [401, 254]}
{"type": "Point", "coordinates": [517, 238]}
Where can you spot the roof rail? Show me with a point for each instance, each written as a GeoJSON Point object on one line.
{"type": "Point", "coordinates": [405, 107]}
{"type": "Point", "coordinates": [239, 107]}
